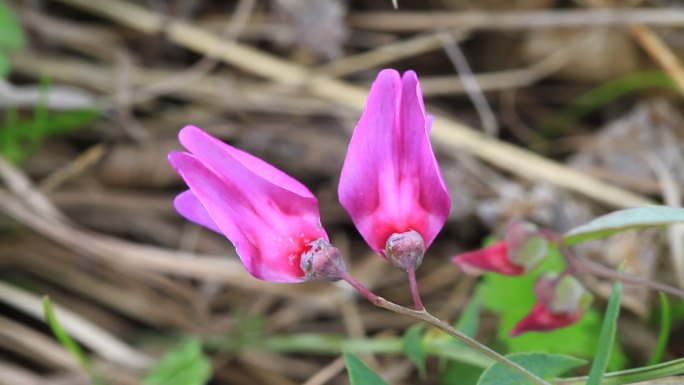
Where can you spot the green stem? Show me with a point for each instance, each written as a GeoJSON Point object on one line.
{"type": "Point", "coordinates": [424, 316]}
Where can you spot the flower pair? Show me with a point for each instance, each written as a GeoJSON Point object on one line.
{"type": "Point", "coordinates": [390, 185]}
{"type": "Point", "coordinates": [561, 300]}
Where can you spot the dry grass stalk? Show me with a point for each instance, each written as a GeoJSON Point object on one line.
{"type": "Point", "coordinates": [446, 131]}
{"type": "Point", "coordinates": [517, 20]}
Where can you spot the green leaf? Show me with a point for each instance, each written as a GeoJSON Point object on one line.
{"type": "Point", "coordinates": [68, 343]}
{"type": "Point", "coordinates": [184, 365]}
{"type": "Point", "coordinates": [630, 376]}
{"type": "Point", "coordinates": [544, 365]}
{"type": "Point", "coordinates": [622, 220]}
{"type": "Point", "coordinates": [5, 65]}
{"type": "Point", "coordinates": [65, 122]}
{"type": "Point", "coordinates": [359, 373]}
{"type": "Point", "coordinates": [513, 297]}
{"type": "Point", "coordinates": [456, 372]}
{"type": "Point", "coordinates": [62, 336]}
{"type": "Point", "coordinates": [413, 347]}
{"type": "Point", "coordinates": [11, 34]}
{"type": "Point", "coordinates": [40, 114]}
{"type": "Point", "coordinates": [665, 327]}
{"type": "Point", "coordinates": [19, 139]}
{"type": "Point", "coordinates": [436, 344]}
{"type": "Point", "coordinates": [469, 321]}
{"type": "Point", "coordinates": [607, 337]}
{"type": "Point", "coordinates": [603, 95]}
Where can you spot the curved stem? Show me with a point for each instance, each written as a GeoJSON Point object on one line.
{"type": "Point", "coordinates": [424, 316]}
{"type": "Point", "coordinates": [415, 293]}
{"type": "Point", "coordinates": [587, 266]}
{"type": "Point", "coordinates": [580, 264]}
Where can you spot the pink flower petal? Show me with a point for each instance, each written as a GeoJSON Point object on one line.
{"type": "Point", "coordinates": [187, 204]}
{"type": "Point", "coordinates": [430, 120]}
{"type": "Point", "coordinates": [419, 159]}
{"type": "Point", "coordinates": [369, 162]}
{"type": "Point", "coordinates": [270, 227]}
{"type": "Point", "coordinates": [390, 182]}
{"type": "Point", "coordinates": [275, 191]}
{"type": "Point", "coordinates": [213, 152]}
{"type": "Point", "coordinates": [492, 258]}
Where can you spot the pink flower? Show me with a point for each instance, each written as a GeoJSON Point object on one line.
{"type": "Point", "coordinates": [560, 302]}
{"type": "Point", "coordinates": [390, 182]}
{"type": "Point", "coordinates": [522, 249]}
{"type": "Point", "coordinates": [271, 219]}
{"type": "Point", "coordinates": [541, 318]}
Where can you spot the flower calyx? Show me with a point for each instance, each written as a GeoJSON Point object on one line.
{"type": "Point", "coordinates": [322, 261]}
{"type": "Point", "coordinates": [527, 246]}
{"type": "Point", "coordinates": [405, 250]}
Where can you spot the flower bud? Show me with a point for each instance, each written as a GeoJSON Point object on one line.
{"type": "Point", "coordinates": [322, 262]}
{"type": "Point", "coordinates": [270, 217]}
{"type": "Point", "coordinates": [569, 295]}
{"type": "Point", "coordinates": [561, 301]}
{"type": "Point", "coordinates": [405, 250]}
{"type": "Point", "coordinates": [391, 182]}
{"type": "Point", "coordinates": [521, 250]}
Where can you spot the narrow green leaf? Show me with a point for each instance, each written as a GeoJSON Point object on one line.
{"type": "Point", "coordinates": [184, 365]}
{"type": "Point", "coordinates": [455, 371]}
{"type": "Point", "coordinates": [317, 343]}
{"type": "Point", "coordinates": [413, 347]}
{"type": "Point", "coordinates": [359, 373]}
{"type": "Point", "coordinates": [40, 114]}
{"type": "Point", "coordinates": [630, 376]}
{"type": "Point", "coordinates": [469, 321]}
{"type": "Point", "coordinates": [5, 65]}
{"type": "Point", "coordinates": [665, 327]}
{"type": "Point", "coordinates": [68, 343]}
{"type": "Point", "coordinates": [602, 95]}
{"type": "Point", "coordinates": [19, 139]}
{"type": "Point", "coordinates": [7, 129]}
{"type": "Point", "coordinates": [544, 365]}
{"type": "Point", "coordinates": [607, 337]}
{"type": "Point", "coordinates": [11, 34]}
{"type": "Point", "coordinates": [68, 121]}
{"type": "Point", "coordinates": [622, 220]}
{"type": "Point", "coordinates": [62, 336]}
{"type": "Point", "coordinates": [436, 344]}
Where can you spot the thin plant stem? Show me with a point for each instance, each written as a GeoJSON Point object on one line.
{"type": "Point", "coordinates": [364, 291]}
{"type": "Point", "coordinates": [586, 266]}
{"type": "Point", "coordinates": [415, 293]}
{"type": "Point", "coordinates": [423, 315]}
{"type": "Point", "coordinates": [580, 264]}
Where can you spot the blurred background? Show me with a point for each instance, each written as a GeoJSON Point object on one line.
{"type": "Point", "coordinates": [551, 110]}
